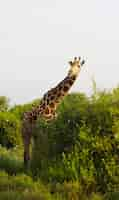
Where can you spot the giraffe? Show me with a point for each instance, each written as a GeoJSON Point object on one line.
{"type": "Point", "coordinates": [48, 105]}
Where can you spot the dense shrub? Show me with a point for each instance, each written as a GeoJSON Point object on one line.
{"type": "Point", "coordinates": [81, 144]}
{"type": "Point", "coordinates": [10, 135]}
{"type": "Point", "coordinates": [11, 160]}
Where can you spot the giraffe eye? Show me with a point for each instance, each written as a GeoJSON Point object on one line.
{"type": "Point", "coordinates": [74, 77]}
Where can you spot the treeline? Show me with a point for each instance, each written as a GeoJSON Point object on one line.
{"type": "Point", "coordinates": [82, 144]}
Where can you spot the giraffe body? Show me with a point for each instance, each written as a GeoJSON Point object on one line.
{"type": "Point", "coordinates": [48, 105]}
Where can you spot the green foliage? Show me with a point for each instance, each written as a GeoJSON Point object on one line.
{"type": "Point", "coordinates": [11, 160]}
{"type": "Point", "coordinates": [23, 187]}
{"type": "Point", "coordinates": [9, 130]}
{"type": "Point", "coordinates": [77, 153]}
{"type": "Point", "coordinates": [81, 144]}
{"type": "Point", "coordinates": [18, 110]}
{"type": "Point", "coordinates": [4, 103]}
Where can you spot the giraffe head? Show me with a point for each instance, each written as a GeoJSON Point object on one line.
{"type": "Point", "coordinates": [75, 66]}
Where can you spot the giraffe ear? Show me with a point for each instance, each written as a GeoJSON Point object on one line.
{"type": "Point", "coordinates": [70, 62]}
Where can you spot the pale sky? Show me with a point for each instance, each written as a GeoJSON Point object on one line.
{"type": "Point", "coordinates": [39, 37]}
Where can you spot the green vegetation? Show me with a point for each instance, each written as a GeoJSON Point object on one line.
{"type": "Point", "coordinates": [9, 130]}
{"type": "Point", "coordinates": [11, 160]}
{"type": "Point", "coordinates": [4, 103]}
{"type": "Point", "coordinates": [74, 157]}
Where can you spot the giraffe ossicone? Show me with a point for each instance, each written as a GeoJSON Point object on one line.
{"type": "Point", "coordinates": [48, 105]}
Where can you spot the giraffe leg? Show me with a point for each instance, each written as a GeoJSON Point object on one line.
{"type": "Point", "coordinates": [26, 153]}
{"type": "Point", "coordinates": [26, 135]}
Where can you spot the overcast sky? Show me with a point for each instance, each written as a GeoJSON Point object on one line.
{"type": "Point", "coordinates": [39, 37]}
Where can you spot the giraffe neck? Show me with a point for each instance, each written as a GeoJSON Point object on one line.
{"type": "Point", "coordinates": [64, 86]}
{"type": "Point", "coordinates": [50, 101]}
{"type": "Point", "coordinates": [54, 96]}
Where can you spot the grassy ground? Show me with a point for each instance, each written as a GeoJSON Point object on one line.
{"type": "Point", "coordinates": [23, 187]}
{"type": "Point", "coordinates": [15, 184]}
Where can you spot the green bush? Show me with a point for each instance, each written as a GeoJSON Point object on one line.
{"type": "Point", "coordinates": [11, 160]}
{"type": "Point", "coordinates": [81, 144]}
{"type": "Point", "coordinates": [9, 130]}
